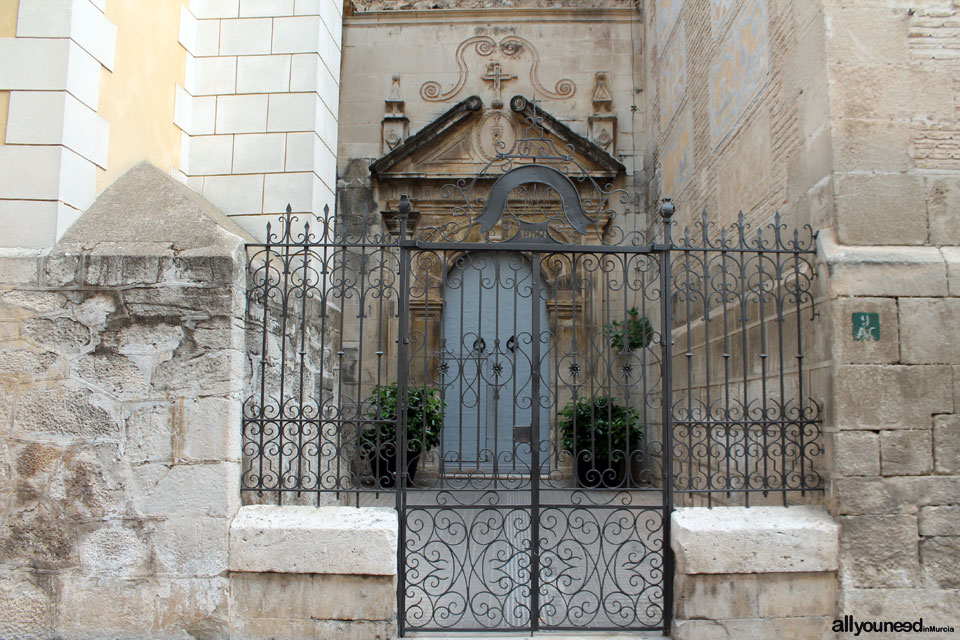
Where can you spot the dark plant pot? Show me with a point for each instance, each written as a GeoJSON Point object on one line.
{"type": "Point", "coordinates": [600, 473]}
{"type": "Point", "coordinates": [384, 466]}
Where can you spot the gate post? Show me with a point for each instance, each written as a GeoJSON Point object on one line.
{"type": "Point", "coordinates": [666, 336]}
{"type": "Point", "coordinates": [400, 482]}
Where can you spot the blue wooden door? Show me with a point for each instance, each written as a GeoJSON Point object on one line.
{"type": "Point", "coordinates": [487, 335]}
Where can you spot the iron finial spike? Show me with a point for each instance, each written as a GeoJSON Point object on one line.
{"type": "Point", "coordinates": [326, 210]}
{"type": "Point", "coordinates": [667, 208]}
{"type": "Point", "coordinates": [289, 209]}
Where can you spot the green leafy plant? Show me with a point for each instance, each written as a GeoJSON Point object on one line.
{"type": "Point", "coordinates": [599, 429]}
{"type": "Point", "coordinates": [424, 418]}
{"type": "Point", "coordinates": [637, 330]}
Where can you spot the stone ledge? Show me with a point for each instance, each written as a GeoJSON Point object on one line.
{"type": "Point", "coordinates": [331, 540]}
{"type": "Point", "coordinates": [754, 540]}
{"type": "Point", "coordinates": [882, 270]}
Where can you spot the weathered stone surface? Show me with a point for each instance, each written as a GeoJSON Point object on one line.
{"type": "Point", "coordinates": [891, 397]}
{"type": "Point", "coordinates": [25, 609]}
{"type": "Point", "coordinates": [906, 452]}
{"type": "Point", "coordinates": [943, 202]}
{"type": "Point", "coordinates": [881, 209]}
{"type": "Point", "coordinates": [121, 266]}
{"type": "Point", "coordinates": [273, 628]}
{"type": "Point", "coordinates": [881, 271]}
{"type": "Point", "coordinates": [40, 301]}
{"type": "Point", "coordinates": [951, 256]}
{"type": "Point", "coordinates": [716, 596]}
{"type": "Point", "coordinates": [785, 595]}
{"type": "Point", "coordinates": [857, 453]}
{"type": "Point", "coordinates": [58, 334]}
{"type": "Point", "coordinates": [753, 629]}
{"type": "Point", "coordinates": [920, 491]}
{"type": "Point", "coordinates": [65, 411]}
{"type": "Point", "coordinates": [935, 606]}
{"type": "Point", "coordinates": [847, 350]}
{"type": "Point", "coordinates": [19, 266]}
{"type": "Point", "coordinates": [94, 311]}
{"type": "Point", "coordinates": [946, 443]}
{"type": "Point", "coordinates": [341, 540]}
{"type": "Point", "coordinates": [219, 373]}
{"type": "Point", "coordinates": [938, 556]}
{"type": "Point", "coordinates": [196, 546]}
{"type": "Point", "coordinates": [149, 434]}
{"type": "Point", "coordinates": [754, 540]}
{"type": "Point", "coordinates": [37, 533]}
{"type": "Point", "coordinates": [925, 323]}
{"type": "Point", "coordinates": [860, 496]}
{"type": "Point", "coordinates": [940, 521]}
{"type": "Point", "coordinates": [146, 204]}
{"type": "Point", "coordinates": [313, 596]}
{"type": "Point", "coordinates": [140, 607]}
{"type": "Point", "coordinates": [26, 365]}
{"type": "Point", "coordinates": [208, 429]}
{"type": "Point", "coordinates": [113, 374]}
{"type": "Point", "coordinates": [171, 301]}
{"type": "Point", "coordinates": [186, 489]}
{"type": "Point", "coordinates": [116, 548]}
{"type": "Point", "coordinates": [880, 551]}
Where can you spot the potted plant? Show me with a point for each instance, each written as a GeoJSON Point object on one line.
{"type": "Point", "coordinates": [379, 441]}
{"type": "Point", "coordinates": [634, 333]}
{"type": "Point", "coordinates": [600, 435]}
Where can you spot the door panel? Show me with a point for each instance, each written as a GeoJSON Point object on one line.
{"type": "Point", "coordinates": [488, 307]}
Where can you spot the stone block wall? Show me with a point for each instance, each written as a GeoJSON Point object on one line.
{"type": "Point", "coordinates": [52, 137]}
{"type": "Point", "coordinates": [120, 374]}
{"type": "Point", "coordinates": [895, 482]}
{"type": "Point", "coordinates": [260, 106]}
{"type": "Point", "coordinates": [123, 370]}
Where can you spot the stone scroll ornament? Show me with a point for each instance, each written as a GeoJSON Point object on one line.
{"type": "Point", "coordinates": [510, 46]}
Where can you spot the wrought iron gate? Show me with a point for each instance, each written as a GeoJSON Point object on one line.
{"type": "Point", "coordinates": [503, 376]}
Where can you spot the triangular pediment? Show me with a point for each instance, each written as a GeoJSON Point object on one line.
{"type": "Point", "coordinates": [465, 142]}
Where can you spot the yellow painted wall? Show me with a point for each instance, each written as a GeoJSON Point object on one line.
{"type": "Point", "coordinates": [8, 18]}
{"type": "Point", "coordinates": [8, 29]}
{"type": "Point", "coordinates": [137, 98]}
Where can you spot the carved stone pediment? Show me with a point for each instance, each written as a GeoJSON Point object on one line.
{"type": "Point", "coordinates": [465, 141]}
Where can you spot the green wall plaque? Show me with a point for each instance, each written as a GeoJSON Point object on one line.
{"type": "Point", "coordinates": [866, 326]}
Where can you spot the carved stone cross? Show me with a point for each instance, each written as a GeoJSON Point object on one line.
{"type": "Point", "coordinates": [497, 77]}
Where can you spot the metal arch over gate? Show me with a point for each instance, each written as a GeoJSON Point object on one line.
{"type": "Point", "coordinates": [504, 377]}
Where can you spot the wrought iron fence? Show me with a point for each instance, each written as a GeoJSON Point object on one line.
{"type": "Point", "coordinates": [742, 306]}
{"type": "Point", "coordinates": [738, 303]}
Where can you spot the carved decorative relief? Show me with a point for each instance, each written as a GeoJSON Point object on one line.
{"type": "Point", "coordinates": [511, 47]}
{"type": "Point", "coordinates": [495, 133]}
{"type": "Point", "coordinates": [602, 100]}
{"type": "Point", "coordinates": [395, 125]}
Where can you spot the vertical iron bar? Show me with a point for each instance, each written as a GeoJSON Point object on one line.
{"type": "Point", "coordinates": [801, 413]}
{"type": "Point", "coordinates": [284, 310]}
{"type": "Point", "coordinates": [707, 407]}
{"type": "Point", "coordinates": [535, 451]}
{"type": "Point", "coordinates": [400, 480]}
{"type": "Point", "coordinates": [302, 364]}
{"type": "Point", "coordinates": [263, 361]}
{"type": "Point", "coordinates": [666, 333]}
